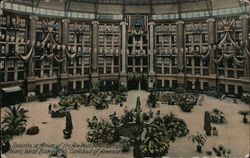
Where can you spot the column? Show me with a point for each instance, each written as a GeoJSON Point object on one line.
{"type": "Point", "coordinates": [65, 28]}
{"type": "Point", "coordinates": [236, 89]}
{"type": "Point", "coordinates": [94, 52]}
{"type": "Point", "coordinates": [74, 84]}
{"type": "Point", "coordinates": [211, 40]}
{"type": "Point", "coordinates": [193, 66]}
{"type": "Point", "coordinates": [63, 70]}
{"type": "Point", "coordinates": [151, 48]}
{"type": "Point", "coordinates": [245, 31]}
{"type": "Point", "coordinates": [151, 51]}
{"type": "Point", "coordinates": [123, 51]}
{"type": "Point", "coordinates": [31, 83]}
{"type": "Point", "coordinates": [226, 88]}
{"type": "Point", "coordinates": [74, 68]}
{"type": "Point", "coordinates": [181, 54]}
{"type": "Point", "coordinates": [180, 44]}
{"type": "Point", "coordinates": [123, 75]}
{"type": "Point", "coordinates": [50, 87]}
{"type": "Point", "coordinates": [41, 88]}
{"type": "Point", "coordinates": [32, 38]}
{"type": "Point", "coordinates": [15, 71]}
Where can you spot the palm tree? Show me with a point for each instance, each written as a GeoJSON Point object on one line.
{"type": "Point", "coordinates": [199, 139]}
{"type": "Point", "coordinates": [15, 119]}
{"type": "Point", "coordinates": [154, 141]}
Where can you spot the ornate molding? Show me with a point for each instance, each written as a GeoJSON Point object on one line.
{"type": "Point", "coordinates": [244, 16]}
{"type": "Point", "coordinates": [179, 22]}
{"type": "Point", "coordinates": [65, 20]}
{"type": "Point", "coordinates": [35, 17]}
{"type": "Point", "coordinates": [151, 23]}
{"type": "Point", "coordinates": [210, 20]}
{"type": "Point", "coordinates": [123, 23]}
{"type": "Point", "coordinates": [95, 22]}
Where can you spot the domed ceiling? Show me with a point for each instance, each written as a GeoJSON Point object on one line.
{"type": "Point", "coordinates": [137, 2]}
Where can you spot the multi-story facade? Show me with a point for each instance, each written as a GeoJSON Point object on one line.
{"type": "Point", "coordinates": [46, 49]}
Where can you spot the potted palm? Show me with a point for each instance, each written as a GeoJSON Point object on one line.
{"type": "Point", "coordinates": [198, 139]}
{"type": "Point", "coordinates": [15, 119]}
{"type": "Point", "coordinates": [244, 113]}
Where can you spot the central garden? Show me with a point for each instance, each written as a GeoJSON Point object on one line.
{"type": "Point", "coordinates": [142, 124]}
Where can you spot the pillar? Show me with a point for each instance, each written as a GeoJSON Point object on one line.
{"type": "Point", "coordinates": [211, 41]}
{"type": "Point", "coordinates": [245, 33]}
{"type": "Point", "coordinates": [151, 54]}
{"type": "Point", "coordinates": [123, 76]}
{"type": "Point", "coordinates": [31, 84]}
{"type": "Point", "coordinates": [94, 53]}
{"type": "Point", "coordinates": [181, 54]}
{"type": "Point", "coordinates": [63, 71]}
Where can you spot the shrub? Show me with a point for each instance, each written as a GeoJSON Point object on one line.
{"type": "Point", "coordinates": [125, 143]}
{"type": "Point", "coordinates": [33, 130]}
{"type": "Point", "coordinates": [217, 116]}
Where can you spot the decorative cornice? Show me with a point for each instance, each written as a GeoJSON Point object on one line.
{"type": "Point", "coordinates": [180, 22]}
{"type": "Point", "coordinates": [123, 23]}
{"type": "Point", "coordinates": [244, 16]}
{"type": "Point", "coordinates": [95, 22]}
{"type": "Point", "coordinates": [210, 20]}
{"type": "Point", "coordinates": [65, 20]}
{"type": "Point", "coordinates": [151, 23]}
{"type": "Point", "coordinates": [35, 17]}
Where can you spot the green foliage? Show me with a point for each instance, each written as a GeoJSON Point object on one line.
{"type": "Point", "coordinates": [198, 139]}
{"type": "Point", "coordinates": [221, 151]}
{"type": "Point", "coordinates": [99, 101]}
{"type": "Point", "coordinates": [125, 143]}
{"type": "Point", "coordinates": [102, 132]}
{"type": "Point", "coordinates": [186, 103]}
{"type": "Point", "coordinates": [119, 98]}
{"type": "Point", "coordinates": [154, 141]}
{"type": "Point", "coordinates": [15, 119]}
{"type": "Point", "coordinates": [152, 99]}
{"type": "Point", "coordinates": [176, 126]}
{"type": "Point", "coordinates": [128, 116]}
{"type": "Point", "coordinates": [70, 101]}
{"type": "Point", "coordinates": [217, 116]}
